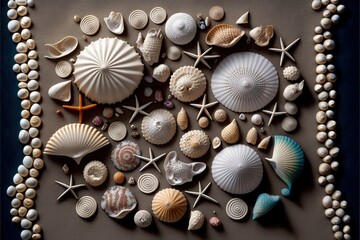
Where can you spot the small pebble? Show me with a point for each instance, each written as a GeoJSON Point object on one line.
{"type": "Point", "coordinates": [104, 126]}
{"type": "Point", "coordinates": [135, 134]}
{"type": "Point", "coordinates": [242, 117]}
{"type": "Point", "coordinates": [119, 111]}
{"type": "Point", "coordinates": [256, 119]}
{"type": "Point", "coordinates": [25, 234]}
{"type": "Point", "coordinates": [169, 104]}
{"type": "Point", "coordinates": [159, 96]}
{"type": "Point", "coordinates": [58, 112]}
{"type": "Point", "coordinates": [11, 191]}
{"type": "Point", "coordinates": [65, 169]}
{"type": "Point", "coordinates": [148, 79]}
{"type": "Point", "coordinates": [133, 127]}
{"type": "Point", "coordinates": [77, 18]}
{"type": "Point", "coordinates": [36, 228]}
{"type": "Point", "coordinates": [215, 222]}
{"type": "Point", "coordinates": [131, 181]}
{"type": "Point", "coordinates": [97, 121]}
{"type": "Point", "coordinates": [203, 122]}
{"type": "Point", "coordinates": [119, 178]}
{"type": "Point", "coordinates": [148, 91]}
{"type": "Point", "coordinates": [108, 112]}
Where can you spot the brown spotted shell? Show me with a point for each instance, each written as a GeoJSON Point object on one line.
{"type": "Point", "coordinates": [224, 35]}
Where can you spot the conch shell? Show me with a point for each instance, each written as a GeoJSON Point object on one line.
{"type": "Point", "coordinates": [292, 91]}
{"type": "Point", "coordinates": [115, 22]}
{"type": "Point", "coordinates": [231, 133]}
{"type": "Point", "coordinates": [224, 35]}
{"type": "Point", "coordinates": [151, 46]}
{"type": "Point", "coordinates": [182, 119]}
{"type": "Point", "coordinates": [262, 35]}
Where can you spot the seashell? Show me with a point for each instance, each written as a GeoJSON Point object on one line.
{"type": "Point", "coordinates": [215, 222]}
{"type": "Point", "coordinates": [216, 13]}
{"type": "Point", "coordinates": [237, 169]}
{"type": "Point", "coordinates": [220, 115]}
{"type": "Point", "coordinates": [289, 124]}
{"type": "Point", "coordinates": [256, 119]}
{"type": "Point", "coordinates": [25, 234]}
{"type": "Point", "coordinates": [151, 46]}
{"type": "Point", "coordinates": [236, 209]}
{"type": "Point", "coordinates": [25, 22]}
{"type": "Point", "coordinates": [264, 143]}
{"type": "Point", "coordinates": [32, 214]}
{"type": "Point", "coordinates": [75, 140]}
{"type": "Point", "coordinates": [178, 172]}
{"type": "Point", "coordinates": [291, 108]}
{"type": "Point", "coordinates": [33, 64]}
{"type": "Point", "coordinates": [20, 58]}
{"type": "Point", "coordinates": [187, 83]}
{"type": "Point", "coordinates": [194, 144]}
{"type": "Point", "coordinates": [117, 131]}
{"type": "Point", "coordinates": [287, 161]}
{"type": "Point", "coordinates": [159, 127]}
{"type": "Point", "coordinates": [95, 173]}
{"type": "Point", "coordinates": [35, 109]}
{"type": "Point", "coordinates": [180, 28]}
{"type": "Point", "coordinates": [216, 142]}
{"type": "Point", "coordinates": [108, 112]}
{"type": "Point", "coordinates": [196, 220]}
{"type": "Point", "coordinates": [147, 183]}
{"type": "Point", "coordinates": [118, 201]}
{"type": "Point", "coordinates": [63, 69]}
{"type": "Point", "coordinates": [173, 53]}
{"type": "Point", "coordinates": [169, 205]}
{"type": "Point", "coordinates": [12, 14]}
{"type": "Point", "coordinates": [291, 73]}
{"type": "Point", "coordinates": [123, 156]}
{"type": "Point", "coordinates": [231, 133]}
{"type": "Point", "coordinates": [89, 25]}
{"type": "Point", "coordinates": [252, 136]}
{"type": "Point", "coordinates": [158, 15]}
{"type": "Point", "coordinates": [108, 70]}
{"type": "Point", "coordinates": [32, 54]}
{"type": "Point", "coordinates": [11, 191]}
{"type": "Point", "coordinates": [148, 91]}
{"type": "Point", "coordinates": [243, 19]}
{"type": "Point", "coordinates": [115, 22]}
{"type": "Point", "coordinates": [31, 182]}
{"type": "Point", "coordinates": [25, 34]}
{"type": "Point", "coordinates": [138, 19]}
{"type": "Point", "coordinates": [182, 119]}
{"type": "Point", "coordinates": [30, 193]}
{"type": "Point", "coordinates": [264, 203]}
{"type": "Point", "coordinates": [223, 35]}
{"type": "Point", "coordinates": [61, 91]}
{"type": "Point", "coordinates": [24, 136]}
{"type": "Point", "coordinates": [33, 74]}
{"type": "Point", "coordinates": [143, 218]}
{"type": "Point", "coordinates": [236, 82]}
{"type": "Point", "coordinates": [61, 48]}
{"type": "Point", "coordinates": [21, 47]}
{"type": "Point", "coordinates": [262, 35]}
{"type": "Point", "coordinates": [25, 223]}
{"type": "Point", "coordinates": [161, 72]}
{"type": "Point", "coordinates": [203, 122]}
{"type": "Point", "coordinates": [86, 207]}
{"type": "Point", "coordinates": [13, 26]}
{"type": "Point", "coordinates": [292, 91]}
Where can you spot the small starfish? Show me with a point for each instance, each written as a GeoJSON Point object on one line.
{"type": "Point", "coordinates": [203, 107]}
{"type": "Point", "coordinates": [150, 160]}
{"type": "Point", "coordinates": [137, 109]}
{"type": "Point", "coordinates": [284, 50]}
{"type": "Point", "coordinates": [80, 108]}
{"type": "Point", "coordinates": [69, 187]}
{"type": "Point", "coordinates": [273, 113]}
{"type": "Point", "coordinates": [201, 57]}
{"type": "Point", "coordinates": [201, 194]}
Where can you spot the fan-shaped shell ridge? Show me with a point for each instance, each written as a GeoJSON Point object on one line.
{"type": "Point", "coordinates": [169, 205]}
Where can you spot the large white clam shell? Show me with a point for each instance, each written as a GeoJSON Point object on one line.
{"type": "Point", "coordinates": [108, 70]}
{"type": "Point", "coordinates": [115, 22]}
{"type": "Point", "coordinates": [75, 140]}
{"type": "Point", "coordinates": [61, 91]}
{"type": "Point", "coordinates": [61, 48]}
{"type": "Point", "coordinates": [224, 35]}
{"type": "Point", "coordinates": [180, 28]}
{"type": "Point", "coordinates": [245, 82]}
{"type": "Point", "coordinates": [237, 169]}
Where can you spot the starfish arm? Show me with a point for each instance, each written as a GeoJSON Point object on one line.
{"type": "Point", "coordinates": [279, 113]}
{"type": "Point", "coordinates": [78, 185]}
{"type": "Point", "coordinates": [61, 195]}
{"type": "Point", "coordinates": [270, 120]}
{"type": "Point", "coordinates": [275, 49]}
{"type": "Point", "coordinates": [210, 198]}
{"type": "Point", "coordinates": [211, 104]}
{"type": "Point", "coordinates": [198, 48]}
{"type": "Point", "coordinates": [196, 201]}
{"type": "Point", "coordinates": [281, 44]}
{"type": "Point", "coordinates": [191, 192]}
{"type": "Point", "coordinates": [210, 56]}
{"type": "Point", "coordinates": [129, 108]}
{"type": "Point", "coordinates": [73, 193]}
{"type": "Point", "coordinates": [156, 166]}
{"type": "Point", "coordinates": [143, 113]}
{"type": "Point", "coordinates": [292, 44]}
{"type": "Point", "coordinates": [145, 166]}
{"type": "Point", "coordinates": [142, 157]}
{"type": "Point", "coordinates": [71, 107]}
{"type": "Point", "coordinates": [204, 62]}
{"type": "Point", "coordinates": [207, 113]}
{"type": "Point", "coordinates": [267, 112]}
{"type": "Point", "coordinates": [282, 58]}
{"type": "Point", "coordinates": [289, 56]}
{"type": "Point", "coordinates": [200, 112]}
{"type": "Point", "coordinates": [145, 105]}
{"type": "Point", "coordinates": [89, 106]}
{"type": "Point", "coordinates": [150, 154]}
{"type": "Point", "coordinates": [196, 105]}
{"type": "Point", "coordinates": [192, 55]}
{"type": "Point", "coordinates": [62, 184]}
{"type": "Point", "coordinates": [136, 102]}
{"type": "Point", "coordinates": [133, 116]}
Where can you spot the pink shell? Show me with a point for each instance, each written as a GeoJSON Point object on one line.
{"type": "Point", "coordinates": [118, 201]}
{"type": "Point", "coordinates": [123, 156]}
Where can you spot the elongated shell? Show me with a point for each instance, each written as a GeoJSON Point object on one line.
{"type": "Point", "coordinates": [75, 140]}
{"type": "Point", "coordinates": [115, 22]}
{"type": "Point", "coordinates": [169, 205]}
{"type": "Point", "coordinates": [187, 83]}
{"type": "Point", "coordinates": [252, 136]}
{"type": "Point", "coordinates": [224, 35]}
{"type": "Point", "coordinates": [292, 91]}
{"type": "Point", "coordinates": [182, 119]}
{"type": "Point", "coordinates": [151, 46]}
{"type": "Point", "coordinates": [231, 133]}
{"type": "Point", "coordinates": [287, 161]}
{"type": "Point", "coordinates": [264, 143]}
{"type": "Point", "coordinates": [61, 48]}
{"type": "Point", "coordinates": [243, 19]}
{"type": "Point", "coordinates": [264, 203]}
{"type": "Point", "coordinates": [118, 201]}
{"type": "Point", "coordinates": [262, 35]}
{"type": "Point", "coordinates": [237, 169]}
{"type": "Point", "coordinates": [195, 143]}
{"type": "Point", "coordinates": [180, 28]}
{"type": "Point", "coordinates": [196, 220]}
{"type": "Point", "coordinates": [61, 91]}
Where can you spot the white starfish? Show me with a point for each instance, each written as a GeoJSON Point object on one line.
{"type": "Point", "coordinates": [201, 57]}
{"type": "Point", "coordinates": [284, 50]}
{"type": "Point", "coordinates": [69, 187]}
{"type": "Point", "coordinates": [273, 113]}
{"type": "Point", "coordinates": [203, 107]}
{"type": "Point", "coordinates": [150, 160]}
{"type": "Point", "coordinates": [201, 194]}
{"type": "Point", "coordinates": [137, 109]}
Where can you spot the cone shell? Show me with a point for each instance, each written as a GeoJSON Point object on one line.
{"type": "Point", "coordinates": [196, 220]}
{"type": "Point", "coordinates": [118, 201]}
{"type": "Point", "coordinates": [224, 35]}
{"type": "Point", "coordinates": [264, 143]}
{"type": "Point", "coordinates": [182, 119]}
{"type": "Point", "coordinates": [123, 156]}
{"type": "Point", "coordinates": [195, 143]}
{"type": "Point", "coordinates": [231, 133]}
{"type": "Point", "coordinates": [252, 136]}
{"type": "Point", "coordinates": [169, 205]}
{"type": "Point", "coordinates": [264, 203]}
{"type": "Point", "coordinates": [243, 19]}
{"type": "Point", "coordinates": [159, 127]}
{"type": "Point", "coordinates": [187, 83]}
{"type": "Point", "coordinates": [95, 173]}
{"type": "Point", "coordinates": [75, 141]}
{"type": "Point", "coordinates": [262, 35]}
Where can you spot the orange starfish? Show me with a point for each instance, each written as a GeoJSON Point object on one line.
{"type": "Point", "coordinates": [80, 108]}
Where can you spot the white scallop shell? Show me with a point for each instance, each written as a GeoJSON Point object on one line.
{"type": "Point", "coordinates": [61, 48]}
{"type": "Point", "coordinates": [143, 218]}
{"type": "Point", "coordinates": [61, 91]}
{"type": "Point", "coordinates": [180, 28]}
{"type": "Point", "coordinates": [75, 140]}
{"type": "Point", "coordinates": [236, 209]}
{"type": "Point", "coordinates": [195, 143]}
{"type": "Point", "coordinates": [115, 22]}
{"type": "Point", "coordinates": [63, 69]}
{"type": "Point", "coordinates": [108, 70]}
{"type": "Point", "coordinates": [89, 25]}
{"type": "Point", "coordinates": [159, 127]}
{"type": "Point", "coordinates": [138, 19]}
{"type": "Point", "coordinates": [157, 15]}
{"type": "Point", "coordinates": [95, 173]}
{"type": "Point", "coordinates": [187, 83]}
{"type": "Point", "coordinates": [196, 220]}
{"type": "Point", "coordinates": [86, 207]}
{"type": "Point", "coordinates": [245, 82]}
{"type": "Point", "coordinates": [117, 131]}
{"type": "Point", "coordinates": [147, 183]}
{"type": "Point", "coordinates": [237, 169]}
{"type": "Point", "coordinates": [173, 53]}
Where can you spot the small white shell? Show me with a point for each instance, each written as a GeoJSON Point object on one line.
{"type": "Point", "coordinates": [30, 193]}
{"type": "Point", "coordinates": [243, 19]}
{"type": "Point", "coordinates": [11, 191]}
{"type": "Point", "coordinates": [61, 91]}
{"type": "Point", "coordinates": [117, 131]}
{"type": "Point", "coordinates": [108, 112]}
{"type": "Point", "coordinates": [252, 136]}
{"type": "Point", "coordinates": [32, 214]}
{"type": "Point", "coordinates": [289, 124]}
{"type": "Point", "coordinates": [147, 183]}
{"type": "Point", "coordinates": [257, 119]}
{"type": "Point", "coordinates": [158, 15]}
{"type": "Point", "coordinates": [12, 13]}
{"type": "Point", "coordinates": [13, 26]}
{"type": "Point", "coordinates": [138, 19]}
{"type": "Point", "coordinates": [24, 136]}
{"type": "Point", "coordinates": [30, 43]}
{"type": "Point", "coordinates": [115, 22]}
{"type": "Point", "coordinates": [196, 220]}
{"type": "Point", "coordinates": [61, 48]}
{"type": "Point", "coordinates": [95, 173]}
{"type": "Point", "coordinates": [23, 171]}
{"type": "Point", "coordinates": [180, 28]}
{"type": "Point", "coordinates": [89, 25]}
{"type": "Point", "coordinates": [216, 142]}
{"type": "Point", "coordinates": [86, 207]}
{"type": "Point", "coordinates": [31, 182]}
{"type": "Point", "coordinates": [20, 58]}
{"type": "Point", "coordinates": [35, 96]}
{"type": "Point", "coordinates": [236, 209]}
{"type": "Point", "coordinates": [216, 13]}
{"type": "Point", "coordinates": [173, 53]}
{"type": "Point", "coordinates": [63, 69]}
{"type": "Point", "coordinates": [25, 22]}
{"type": "Point", "coordinates": [291, 73]}
{"type": "Point", "coordinates": [143, 218]}
{"type": "Point", "coordinates": [25, 34]}
{"type": "Point", "coordinates": [291, 108]}
{"type": "Point", "coordinates": [264, 143]}
{"type": "Point", "coordinates": [35, 109]}
{"type": "Point", "coordinates": [220, 115]}
{"type": "Point", "coordinates": [292, 91]}
{"type": "Point", "coordinates": [161, 72]}
{"type": "Point", "coordinates": [33, 74]}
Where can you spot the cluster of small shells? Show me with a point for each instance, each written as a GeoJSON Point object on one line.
{"type": "Point", "coordinates": [333, 201]}
{"type": "Point", "coordinates": [25, 180]}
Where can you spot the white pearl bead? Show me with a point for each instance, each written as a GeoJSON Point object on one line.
{"type": "Point", "coordinates": [325, 2]}
{"type": "Point", "coordinates": [327, 159]}
{"type": "Point", "coordinates": [329, 57]}
{"type": "Point", "coordinates": [322, 180]}
{"type": "Point", "coordinates": [329, 143]}
{"type": "Point", "coordinates": [331, 7]}
{"type": "Point", "coordinates": [334, 152]}
{"type": "Point", "coordinates": [318, 38]}
{"type": "Point", "coordinates": [330, 114]}
{"type": "Point", "coordinates": [347, 236]}
{"type": "Point", "coordinates": [321, 128]}
{"type": "Point", "coordinates": [340, 212]}
{"type": "Point", "coordinates": [27, 150]}
{"type": "Point", "coordinates": [338, 235]}
{"type": "Point", "coordinates": [326, 13]}
{"type": "Point", "coordinates": [340, 8]}
{"type": "Point", "coordinates": [327, 201]}
{"type": "Point", "coordinates": [346, 229]}
{"type": "Point", "coordinates": [324, 169]}
{"type": "Point", "coordinates": [322, 96]}
{"type": "Point", "coordinates": [316, 4]}
{"type": "Point", "coordinates": [318, 29]}
{"type": "Point", "coordinates": [331, 77]}
{"type": "Point", "coordinates": [335, 220]}
{"type": "Point", "coordinates": [320, 78]}
{"type": "Point", "coordinates": [327, 34]}
{"type": "Point", "coordinates": [329, 44]}
{"type": "Point", "coordinates": [346, 219]}
{"type": "Point", "coordinates": [336, 195]}
{"type": "Point", "coordinates": [332, 134]}
{"type": "Point", "coordinates": [318, 88]}
{"type": "Point", "coordinates": [321, 136]}
{"type": "Point", "coordinates": [325, 23]}
{"type": "Point", "coordinates": [329, 212]}
{"type": "Point", "coordinates": [330, 178]}
{"type": "Point", "coordinates": [332, 94]}
{"type": "Point", "coordinates": [331, 68]}
{"type": "Point", "coordinates": [335, 18]}
{"type": "Point", "coordinates": [329, 188]}
{"type": "Point", "coordinates": [343, 204]}
{"type": "Point", "coordinates": [320, 58]}
{"type": "Point", "coordinates": [319, 48]}
{"type": "Point", "coordinates": [321, 69]}
{"type": "Point", "coordinates": [331, 103]}
{"type": "Point", "coordinates": [328, 86]}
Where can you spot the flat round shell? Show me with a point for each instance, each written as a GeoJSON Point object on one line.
{"type": "Point", "coordinates": [63, 69]}
{"type": "Point", "coordinates": [123, 156]}
{"type": "Point", "coordinates": [86, 207]}
{"type": "Point", "coordinates": [89, 25]}
{"type": "Point", "coordinates": [158, 15]}
{"type": "Point", "coordinates": [117, 131]}
{"type": "Point", "coordinates": [147, 183]}
{"type": "Point", "coordinates": [236, 209]}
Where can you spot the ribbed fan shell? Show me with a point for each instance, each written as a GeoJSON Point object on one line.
{"type": "Point", "coordinates": [169, 205]}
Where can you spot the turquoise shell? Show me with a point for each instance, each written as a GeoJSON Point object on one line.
{"type": "Point", "coordinates": [264, 204]}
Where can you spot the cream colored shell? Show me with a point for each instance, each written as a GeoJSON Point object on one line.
{"type": "Point", "coordinates": [262, 35]}
{"type": "Point", "coordinates": [180, 28]}
{"type": "Point", "coordinates": [224, 35]}
{"type": "Point", "coordinates": [61, 48]}
{"type": "Point", "coordinates": [95, 173]}
{"type": "Point", "coordinates": [63, 69]}
{"type": "Point", "coordinates": [138, 19]}
{"type": "Point", "coordinates": [195, 143]}
{"type": "Point", "coordinates": [61, 91]}
{"type": "Point", "coordinates": [115, 23]}
{"type": "Point", "coordinates": [86, 207]}
{"type": "Point", "coordinates": [89, 25]}
{"type": "Point", "coordinates": [117, 131]}
{"type": "Point", "coordinates": [243, 19]}
{"type": "Point", "coordinates": [231, 133]}
{"type": "Point", "coordinates": [161, 72]}
{"type": "Point", "coordinates": [182, 119]}
{"type": "Point", "coordinates": [196, 220]}
{"type": "Point", "coordinates": [264, 143]}
{"type": "Point", "coordinates": [151, 45]}
{"type": "Point", "coordinates": [220, 115]}
{"type": "Point", "coordinates": [158, 15]}
{"type": "Point", "coordinates": [252, 136]}
{"type": "Point", "coordinates": [216, 13]}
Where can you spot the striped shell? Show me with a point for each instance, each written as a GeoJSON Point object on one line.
{"type": "Point", "coordinates": [182, 119]}
{"type": "Point", "coordinates": [95, 173]}
{"type": "Point", "coordinates": [287, 161]}
{"type": "Point", "coordinates": [236, 209]}
{"type": "Point", "coordinates": [123, 156]}
{"type": "Point", "coordinates": [180, 28]}
{"type": "Point", "coordinates": [224, 35]}
{"type": "Point", "coordinates": [169, 205]}
{"type": "Point", "coordinates": [86, 207]}
{"type": "Point", "coordinates": [231, 133]}
{"type": "Point", "coordinates": [196, 220]}
{"type": "Point", "coordinates": [89, 25]}
{"type": "Point", "coordinates": [118, 201]}
{"type": "Point", "coordinates": [138, 19]}
{"type": "Point", "coordinates": [264, 203]}
{"type": "Point", "coordinates": [187, 83]}
{"type": "Point", "coordinates": [195, 143]}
